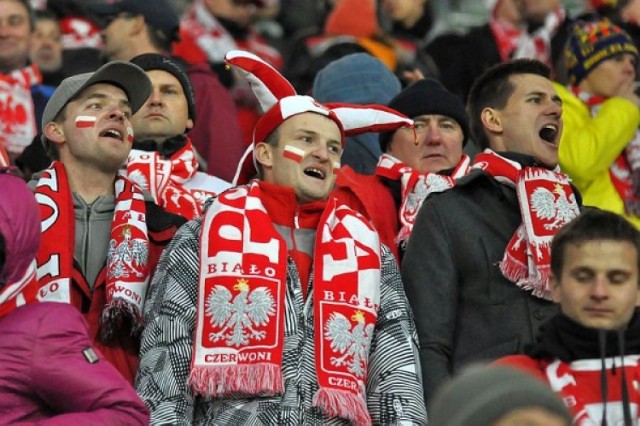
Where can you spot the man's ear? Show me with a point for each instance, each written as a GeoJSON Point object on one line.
{"type": "Point", "coordinates": [138, 25]}
{"type": "Point", "coordinates": [554, 286]}
{"type": "Point", "coordinates": [54, 132]}
{"type": "Point", "coordinates": [263, 153]}
{"type": "Point", "coordinates": [189, 124]}
{"type": "Point", "coordinates": [491, 120]}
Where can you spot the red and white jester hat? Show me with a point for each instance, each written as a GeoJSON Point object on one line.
{"type": "Point", "coordinates": [279, 101]}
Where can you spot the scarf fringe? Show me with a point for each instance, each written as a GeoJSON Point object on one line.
{"type": "Point", "coordinates": [115, 315]}
{"type": "Point", "coordinates": [256, 379]}
{"type": "Point", "coordinates": [519, 274]}
{"type": "Point", "coordinates": [337, 403]}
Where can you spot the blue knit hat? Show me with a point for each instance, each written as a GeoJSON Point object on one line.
{"type": "Point", "coordinates": [592, 43]}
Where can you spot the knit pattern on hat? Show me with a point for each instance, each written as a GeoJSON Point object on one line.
{"type": "Point", "coordinates": [592, 43]}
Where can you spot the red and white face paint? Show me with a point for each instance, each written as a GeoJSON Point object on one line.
{"type": "Point", "coordinates": [293, 153]}
{"type": "Point", "coordinates": [85, 121]}
{"type": "Point", "coordinates": [336, 166]}
{"type": "Point", "coordinates": [130, 134]}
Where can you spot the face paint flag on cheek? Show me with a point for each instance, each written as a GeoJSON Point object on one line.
{"type": "Point", "coordinates": [129, 134]}
{"type": "Point", "coordinates": [293, 153]}
{"type": "Point", "coordinates": [85, 121]}
{"type": "Point", "coordinates": [336, 166]}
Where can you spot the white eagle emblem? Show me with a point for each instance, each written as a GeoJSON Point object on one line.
{"type": "Point", "coordinates": [546, 206]}
{"type": "Point", "coordinates": [432, 182]}
{"type": "Point", "coordinates": [128, 257]}
{"type": "Point", "coordinates": [139, 179]}
{"type": "Point", "coordinates": [237, 318]}
{"type": "Point", "coordinates": [352, 343]}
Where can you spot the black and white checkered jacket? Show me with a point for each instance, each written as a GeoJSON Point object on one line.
{"type": "Point", "coordinates": [394, 390]}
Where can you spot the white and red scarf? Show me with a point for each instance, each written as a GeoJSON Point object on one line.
{"type": "Point", "coordinates": [127, 275]}
{"type": "Point", "coordinates": [17, 116]}
{"type": "Point", "coordinates": [547, 202]}
{"type": "Point", "coordinates": [537, 45]}
{"type": "Point", "coordinates": [4, 158]}
{"type": "Point", "coordinates": [23, 290]}
{"type": "Point", "coordinates": [507, 37]}
{"type": "Point", "coordinates": [215, 41]}
{"type": "Point", "coordinates": [416, 187]}
{"type": "Point", "coordinates": [165, 179]}
{"type": "Point", "coordinates": [625, 170]}
{"type": "Point", "coordinates": [239, 335]}
{"type": "Point", "coordinates": [562, 380]}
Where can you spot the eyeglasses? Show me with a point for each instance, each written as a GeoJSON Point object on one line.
{"type": "Point", "coordinates": [104, 21]}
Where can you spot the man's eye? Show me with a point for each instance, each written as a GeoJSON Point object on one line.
{"type": "Point", "coordinates": [335, 149]}
{"type": "Point", "coordinates": [535, 100]}
{"type": "Point", "coordinates": [306, 138]}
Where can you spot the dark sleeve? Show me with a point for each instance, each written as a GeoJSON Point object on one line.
{"type": "Point", "coordinates": [431, 283]}
{"type": "Point", "coordinates": [83, 392]}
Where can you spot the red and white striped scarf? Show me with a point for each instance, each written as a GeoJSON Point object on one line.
{"type": "Point", "coordinates": [17, 293]}
{"type": "Point", "coordinates": [127, 261]}
{"type": "Point", "coordinates": [239, 335]}
{"type": "Point", "coordinates": [562, 380]}
{"type": "Point", "coordinates": [537, 45]}
{"type": "Point", "coordinates": [506, 36]}
{"type": "Point", "coordinates": [215, 41]}
{"type": "Point", "coordinates": [17, 116]}
{"type": "Point", "coordinates": [547, 202]}
{"type": "Point", "coordinates": [165, 179]}
{"type": "Point", "coordinates": [625, 170]}
{"type": "Point", "coordinates": [416, 187]}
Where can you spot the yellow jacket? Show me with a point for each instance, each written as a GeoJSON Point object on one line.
{"type": "Point", "coordinates": [590, 145]}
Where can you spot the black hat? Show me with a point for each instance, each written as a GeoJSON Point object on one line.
{"type": "Point", "coordinates": [158, 14]}
{"type": "Point", "coordinates": [155, 61]}
{"type": "Point", "coordinates": [425, 97]}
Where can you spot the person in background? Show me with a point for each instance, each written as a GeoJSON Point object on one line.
{"type": "Point", "coordinates": [46, 47]}
{"type": "Point", "coordinates": [49, 371]}
{"type": "Point", "coordinates": [477, 263]}
{"type": "Point", "coordinates": [416, 162]}
{"type": "Point", "coordinates": [600, 148]}
{"type": "Point", "coordinates": [279, 282]}
{"type": "Point", "coordinates": [133, 27]}
{"type": "Point", "coordinates": [163, 161]}
{"type": "Point", "coordinates": [588, 353]}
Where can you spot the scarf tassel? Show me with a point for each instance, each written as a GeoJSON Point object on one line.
{"type": "Point", "coordinates": [256, 379]}
{"type": "Point", "coordinates": [518, 273]}
{"type": "Point", "coordinates": [337, 403]}
{"type": "Point", "coordinates": [116, 315]}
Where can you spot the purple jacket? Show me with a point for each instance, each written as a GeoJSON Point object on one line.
{"type": "Point", "coordinates": [49, 375]}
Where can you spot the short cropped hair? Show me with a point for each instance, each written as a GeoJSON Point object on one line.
{"type": "Point", "coordinates": [591, 225]}
{"type": "Point", "coordinates": [493, 90]}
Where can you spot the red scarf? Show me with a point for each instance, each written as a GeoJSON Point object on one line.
{"type": "Point", "coordinates": [241, 304]}
{"type": "Point", "coordinates": [537, 45]}
{"type": "Point", "coordinates": [4, 158]}
{"type": "Point", "coordinates": [17, 117]}
{"type": "Point", "coordinates": [127, 261]}
{"type": "Point", "coordinates": [547, 202]}
{"type": "Point", "coordinates": [23, 290]}
{"type": "Point", "coordinates": [416, 187]}
{"type": "Point", "coordinates": [506, 36]}
{"type": "Point", "coordinates": [165, 179]}
{"type": "Point", "coordinates": [562, 380]}
{"type": "Point", "coordinates": [625, 171]}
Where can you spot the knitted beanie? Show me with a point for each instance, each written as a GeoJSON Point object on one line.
{"type": "Point", "coordinates": [482, 394]}
{"type": "Point", "coordinates": [592, 43]}
{"type": "Point", "coordinates": [154, 61]}
{"type": "Point", "coordinates": [353, 17]}
{"type": "Point", "coordinates": [427, 97]}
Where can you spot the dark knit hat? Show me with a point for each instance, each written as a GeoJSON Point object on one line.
{"type": "Point", "coordinates": [482, 394]}
{"type": "Point", "coordinates": [590, 43]}
{"type": "Point", "coordinates": [154, 61]}
{"type": "Point", "coordinates": [426, 97]}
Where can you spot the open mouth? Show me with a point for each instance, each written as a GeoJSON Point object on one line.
{"type": "Point", "coordinates": [314, 173]}
{"type": "Point", "coordinates": [112, 133]}
{"type": "Point", "coordinates": [549, 133]}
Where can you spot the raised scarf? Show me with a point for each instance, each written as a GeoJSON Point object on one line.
{"type": "Point", "coordinates": [17, 116]}
{"type": "Point", "coordinates": [547, 202]}
{"type": "Point", "coordinates": [165, 179]}
{"type": "Point", "coordinates": [416, 187]}
{"type": "Point", "coordinates": [127, 274]}
{"type": "Point", "coordinates": [506, 36]}
{"type": "Point", "coordinates": [240, 313]}
{"type": "Point", "coordinates": [565, 346]}
{"type": "Point", "coordinates": [537, 45]}
{"type": "Point", "coordinates": [625, 170]}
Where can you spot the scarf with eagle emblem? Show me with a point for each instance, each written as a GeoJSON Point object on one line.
{"type": "Point", "coordinates": [547, 202]}
{"type": "Point", "coordinates": [239, 335]}
{"type": "Point", "coordinates": [416, 187]}
{"type": "Point", "coordinates": [127, 259]}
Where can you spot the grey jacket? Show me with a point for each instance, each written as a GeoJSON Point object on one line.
{"type": "Point", "coordinates": [465, 309]}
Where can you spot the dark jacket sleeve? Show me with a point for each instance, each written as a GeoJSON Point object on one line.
{"type": "Point", "coordinates": [83, 392]}
{"type": "Point", "coordinates": [430, 277]}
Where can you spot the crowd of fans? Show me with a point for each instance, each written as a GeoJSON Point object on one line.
{"type": "Point", "coordinates": [319, 212]}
